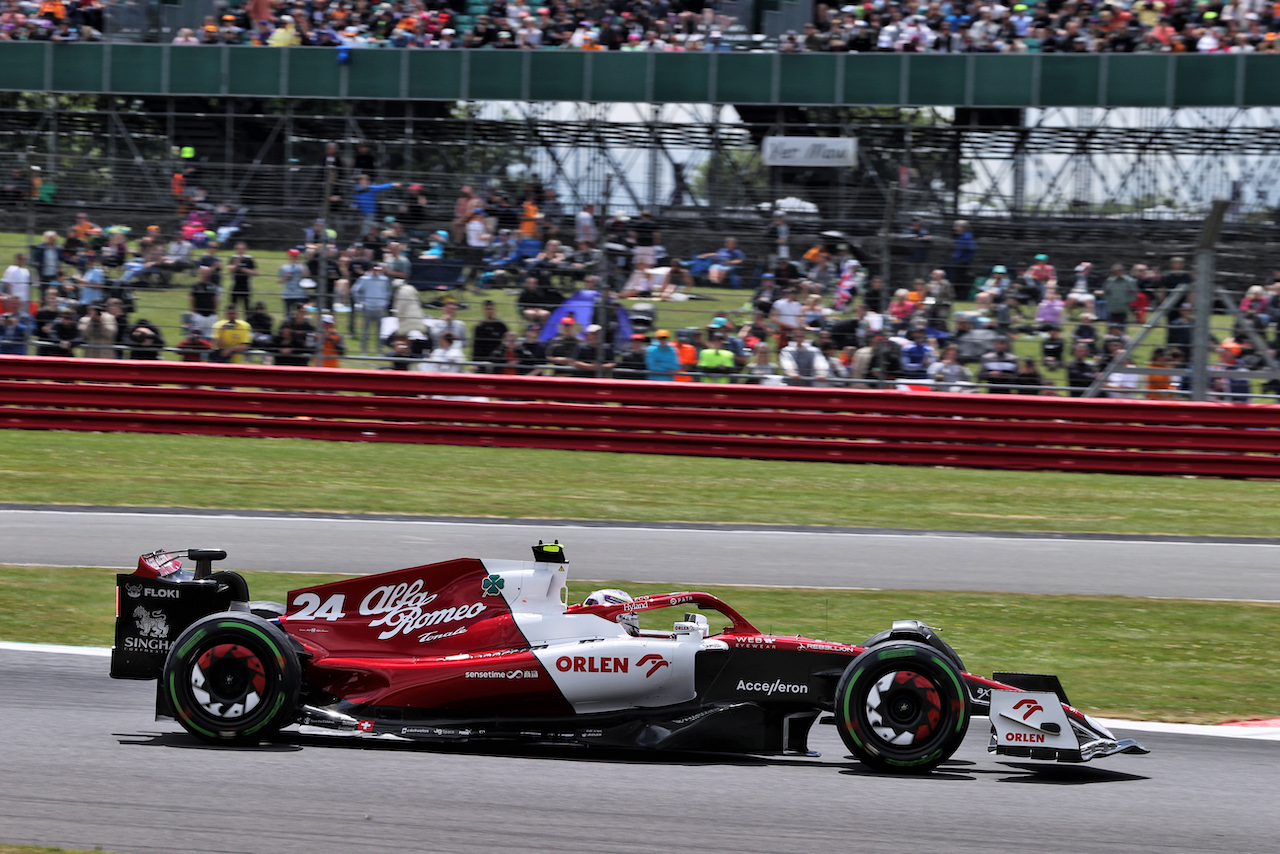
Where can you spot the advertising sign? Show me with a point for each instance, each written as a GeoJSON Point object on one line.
{"type": "Point", "coordinates": [810, 151]}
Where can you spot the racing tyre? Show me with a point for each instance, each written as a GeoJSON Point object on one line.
{"type": "Point", "coordinates": [928, 636]}
{"type": "Point", "coordinates": [232, 678]}
{"type": "Point", "coordinates": [901, 707]}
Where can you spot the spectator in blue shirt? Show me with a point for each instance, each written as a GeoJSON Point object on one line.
{"type": "Point", "coordinates": [916, 357]}
{"type": "Point", "coordinates": [91, 286]}
{"type": "Point", "coordinates": [661, 359]}
{"type": "Point", "coordinates": [14, 333]}
{"type": "Point", "coordinates": [724, 261]}
{"type": "Point", "coordinates": [366, 200]}
{"type": "Point", "coordinates": [372, 292]}
{"type": "Point", "coordinates": [962, 253]}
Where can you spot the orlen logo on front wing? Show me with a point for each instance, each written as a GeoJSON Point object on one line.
{"type": "Point", "coordinates": [608, 664]}
{"type": "Point", "coordinates": [1028, 707]}
{"type": "Point", "coordinates": [1031, 705]}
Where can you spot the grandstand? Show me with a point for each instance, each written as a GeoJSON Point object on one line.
{"type": "Point", "coordinates": [790, 26]}
{"type": "Point", "coordinates": [1034, 148]}
{"type": "Point", "coordinates": [1110, 158]}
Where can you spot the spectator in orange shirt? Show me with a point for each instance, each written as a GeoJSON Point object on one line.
{"type": "Point", "coordinates": [332, 347]}
{"type": "Point", "coordinates": [688, 356]}
{"type": "Point", "coordinates": [1160, 386]}
{"type": "Point", "coordinates": [83, 227]}
{"type": "Point", "coordinates": [529, 219]}
{"type": "Point", "coordinates": [916, 294]}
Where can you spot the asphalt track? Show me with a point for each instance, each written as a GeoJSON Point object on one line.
{"type": "Point", "coordinates": [86, 766]}
{"type": "Point", "coordinates": [679, 554]}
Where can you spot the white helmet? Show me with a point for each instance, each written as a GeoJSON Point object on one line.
{"type": "Point", "coordinates": [611, 596]}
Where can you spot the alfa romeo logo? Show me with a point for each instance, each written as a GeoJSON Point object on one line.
{"type": "Point", "coordinates": [493, 585]}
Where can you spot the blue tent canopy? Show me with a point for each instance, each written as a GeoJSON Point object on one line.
{"type": "Point", "coordinates": [582, 308]}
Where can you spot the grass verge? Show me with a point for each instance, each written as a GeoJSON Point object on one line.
{"type": "Point", "coordinates": [296, 474]}
{"type": "Point", "coordinates": [1142, 659]}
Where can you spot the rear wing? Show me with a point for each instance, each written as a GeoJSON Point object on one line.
{"type": "Point", "coordinates": [157, 602]}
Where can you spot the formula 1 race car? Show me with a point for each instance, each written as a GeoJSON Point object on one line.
{"type": "Point", "coordinates": [473, 649]}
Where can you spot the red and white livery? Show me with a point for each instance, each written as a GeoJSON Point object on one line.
{"type": "Point", "coordinates": [491, 649]}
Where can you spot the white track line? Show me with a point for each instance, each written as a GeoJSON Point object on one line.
{"type": "Point", "coordinates": [57, 648]}
{"type": "Point", "coordinates": [1252, 733]}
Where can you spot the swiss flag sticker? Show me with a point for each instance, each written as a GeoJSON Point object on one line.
{"type": "Point", "coordinates": [365, 726]}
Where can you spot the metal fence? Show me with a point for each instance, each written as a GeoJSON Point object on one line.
{"type": "Point", "coordinates": [151, 21]}
{"type": "Point", "coordinates": [274, 202]}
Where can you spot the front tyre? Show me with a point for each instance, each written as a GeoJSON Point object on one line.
{"type": "Point", "coordinates": [232, 678]}
{"type": "Point", "coordinates": [901, 707]}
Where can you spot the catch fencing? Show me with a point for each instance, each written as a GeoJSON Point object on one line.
{"type": "Point", "coordinates": [693, 419]}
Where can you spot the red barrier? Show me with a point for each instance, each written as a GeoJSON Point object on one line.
{"type": "Point", "coordinates": [912, 428]}
{"type": "Point", "coordinates": [536, 414]}
{"type": "Point", "coordinates": [566, 389]}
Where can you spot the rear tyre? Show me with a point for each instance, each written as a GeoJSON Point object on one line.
{"type": "Point", "coordinates": [901, 707]}
{"type": "Point", "coordinates": [232, 678]}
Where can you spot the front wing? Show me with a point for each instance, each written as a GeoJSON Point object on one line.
{"type": "Point", "coordinates": [1038, 725]}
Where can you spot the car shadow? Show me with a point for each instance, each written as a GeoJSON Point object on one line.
{"type": "Point", "coordinates": [564, 752]}
{"type": "Point", "coordinates": [953, 769]}
{"type": "Point", "coordinates": [289, 742]}
{"type": "Point", "coordinates": [1063, 775]}
{"type": "Point", "coordinates": [183, 741]}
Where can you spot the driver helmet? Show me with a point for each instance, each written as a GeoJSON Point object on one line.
{"type": "Point", "coordinates": [611, 596]}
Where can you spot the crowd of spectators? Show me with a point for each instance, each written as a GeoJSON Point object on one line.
{"type": "Point", "coordinates": [1049, 26]}
{"type": "Point", "coordinates": [950, 26]}
{"type": "Point", "coordinates": [1146, 26]}
{"type": "Point", "coordinates": [815, 316]}
{"type": "Point", "coordinates": [1077, 321]}
{"type": "Point", "coordinates": [52, 20]}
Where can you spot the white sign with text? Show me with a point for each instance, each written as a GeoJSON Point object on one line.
{"type": "Point", "coordinates": [810, 151]}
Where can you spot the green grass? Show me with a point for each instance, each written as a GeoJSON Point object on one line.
{"type": "Point", "coordinates": [1139, 659]}
{"type": "Point", "coordinates": [295, 474]}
